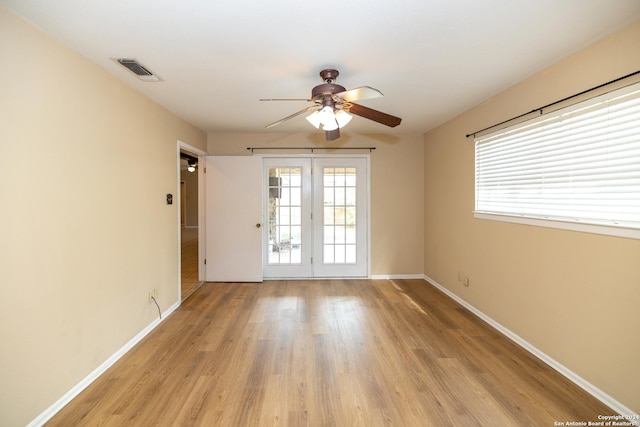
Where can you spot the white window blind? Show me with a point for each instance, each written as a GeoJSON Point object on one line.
{"type": "Point", "coordinates": [579, 164]}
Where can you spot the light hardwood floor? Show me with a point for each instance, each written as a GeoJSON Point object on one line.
{"type": "Point", "coordinates": [188, 261]}
{"type": "Point", "coordinates": [327, 353]}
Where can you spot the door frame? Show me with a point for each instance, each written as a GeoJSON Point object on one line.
{"type": "Point", "coordinates": [367, 158]}
{"type": "Point", "coordinates": [200, 154]}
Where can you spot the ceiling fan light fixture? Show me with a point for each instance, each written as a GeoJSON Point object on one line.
{"type": "Point", "coordinates": [343, 118]}
{"type": "Point", "coordinates": [192, 165]}
{"type": "Point", "coordinates": [314, 119]}
{"type": "Point", "coordinates": [325, 118]}
{"type": "Point", "coordinates": [329, 119]}
{"type": "Point", "coordinates": [330, 124]}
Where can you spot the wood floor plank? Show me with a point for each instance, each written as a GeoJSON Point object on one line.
{"type": "Point", "coordinates": [327, 353]}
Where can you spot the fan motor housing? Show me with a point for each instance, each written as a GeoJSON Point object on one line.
{"type": "Point", "coordinates": [329, 75]}
{"type": "Point", "coordinates": [323, 90]}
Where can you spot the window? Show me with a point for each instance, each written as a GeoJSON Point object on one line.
{"type": "Point", "coordinates": [577, 165]}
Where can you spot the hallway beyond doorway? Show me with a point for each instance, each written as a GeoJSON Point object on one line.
{"type": "Point", "coordinates": [189, 261]}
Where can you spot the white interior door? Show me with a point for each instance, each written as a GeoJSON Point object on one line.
{"type": "Point", "coordinates": [234, 219]}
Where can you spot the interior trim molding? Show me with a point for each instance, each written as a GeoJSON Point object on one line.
{"type": "Point", "coordinates": [48, 413]}
{"type": "Point", "coordinates": [604, 229]}
{"type": "Point", "coordinates": [396, 276]}
{"type": "Point", "coordinates": [563, 370]}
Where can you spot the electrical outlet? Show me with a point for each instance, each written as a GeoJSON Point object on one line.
{"type": "Point", "coordinates": [465, 281]}
{"type": "Point", "coordinates": [153, 294]}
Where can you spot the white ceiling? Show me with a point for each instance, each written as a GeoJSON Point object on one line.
{"type": "Point", "coordinates": [432, 59]}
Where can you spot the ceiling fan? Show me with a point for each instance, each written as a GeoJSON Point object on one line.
{"type": "Point", "coordinates": [332, 104]}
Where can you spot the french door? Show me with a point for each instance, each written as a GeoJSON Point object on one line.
{"type": "Point", "coordinates": [315, 217]}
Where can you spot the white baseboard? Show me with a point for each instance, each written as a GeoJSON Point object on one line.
{"type": "Point", "coordinates": [373, 277]}
{"type": "Point", "coordinates": [568, 373]}
{"type": "Point", "coordinates": [68, 396]}
{"type": "Point", "coordinates": [396, 276]}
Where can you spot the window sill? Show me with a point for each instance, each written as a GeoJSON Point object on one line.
{"type": "Point", "coordinates": [608, 230]}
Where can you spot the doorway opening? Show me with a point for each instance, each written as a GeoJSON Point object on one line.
{"type": "Point", "coordinates": [191, 208]}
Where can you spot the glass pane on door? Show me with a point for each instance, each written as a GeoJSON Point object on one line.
{"type": "Point", "coordinates": [340, 217]}
{"type": "Point", "coordinates": [284, 215]}
{"type": "Point", "coordinates": [340, 213]}
{"type": "Point", "coordinates": [287, 235]}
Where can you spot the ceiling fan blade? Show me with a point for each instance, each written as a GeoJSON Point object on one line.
{"type": "Point", "coordinates": [332, 135]}
{"type": "Point", "coordinates": [304, 110]}
{"type": "Point", "coordinates": [363, 92]}
{"type": "Point", "coordinates": [371, 114]}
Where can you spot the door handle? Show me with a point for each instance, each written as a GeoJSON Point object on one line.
{"type": "Point", "coordinates": [258, 225]}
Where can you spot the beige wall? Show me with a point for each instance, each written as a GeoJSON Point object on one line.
{"type": "Point", "coordinates": [397, 191]}
{"type": "Point", "coordinates": [572, 295]}
{"type": "Point", "coordinates": [87, 234]}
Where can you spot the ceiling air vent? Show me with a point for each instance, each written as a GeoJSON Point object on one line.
{"type": "Point", "coordinates": [138, 69]}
